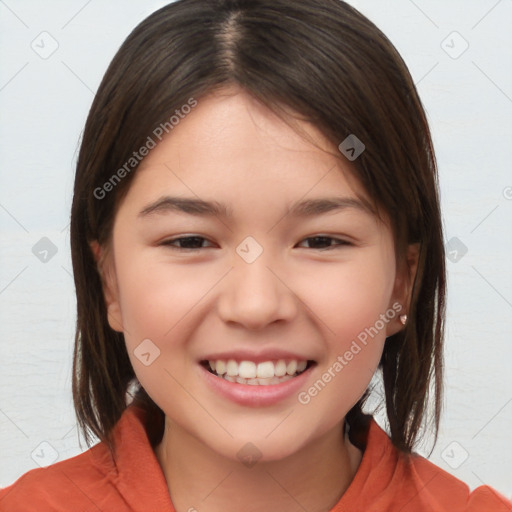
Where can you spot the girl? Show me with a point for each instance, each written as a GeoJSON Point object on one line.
{"type": "Point", "coordinates": [255, 234]}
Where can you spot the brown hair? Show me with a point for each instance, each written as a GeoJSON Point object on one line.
{"type": "Point", "coordinates": [327, 63]}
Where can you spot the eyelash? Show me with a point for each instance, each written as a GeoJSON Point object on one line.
{"type": "Point", "coordinates": [169, 243]}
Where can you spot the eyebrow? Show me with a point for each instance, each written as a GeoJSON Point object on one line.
{"type": "Point", "coordinates": [201, 208]}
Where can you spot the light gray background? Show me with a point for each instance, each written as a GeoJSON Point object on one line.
{"type": "Point", "coordinates": [43, 105]}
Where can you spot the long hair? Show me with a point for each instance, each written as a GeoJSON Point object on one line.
{"type": "Point", "coordinates": [329, 65]}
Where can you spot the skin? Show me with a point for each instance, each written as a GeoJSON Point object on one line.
{"type": "Point", "coordinates": [307, 298]}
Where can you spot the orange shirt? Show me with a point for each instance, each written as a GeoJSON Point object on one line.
{"type": "Point", "coordinates": [385, 481]}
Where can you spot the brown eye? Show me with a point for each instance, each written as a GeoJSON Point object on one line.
{"type": "Point", "coordinates": [325, 240]}
{"type": "Point", "coordinates": [185, 242]}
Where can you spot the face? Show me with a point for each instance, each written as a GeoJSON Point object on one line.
{"type": "Point", "coordinates": [258, 285]}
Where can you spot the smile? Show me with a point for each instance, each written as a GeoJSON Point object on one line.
{"type": "Point", "coordinates": [257, 374]}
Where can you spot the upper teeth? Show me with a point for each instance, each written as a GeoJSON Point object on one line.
{"type": "Point", "coordinates": [251, 370]}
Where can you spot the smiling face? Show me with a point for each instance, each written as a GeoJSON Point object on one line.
{"type": "Point", "coordinates": [266, 278]}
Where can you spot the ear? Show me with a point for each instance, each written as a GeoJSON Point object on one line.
{"type": "Point", "coordinates": [401, 297]}
{"type": "Point", "coordinates": [106, 270]}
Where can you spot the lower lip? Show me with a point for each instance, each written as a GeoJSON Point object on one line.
{"type": "Point", "coordinates": [255, 396]}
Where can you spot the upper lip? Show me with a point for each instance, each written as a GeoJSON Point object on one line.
{"type": "Point", "coordinates": [257, 357]}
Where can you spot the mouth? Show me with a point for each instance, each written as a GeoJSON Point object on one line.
{"type": "Point", "coordinates": [252, 373]}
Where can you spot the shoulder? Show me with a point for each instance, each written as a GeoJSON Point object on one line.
{"type": "Point", "coordinates": [77, 483]}
{"type": "Point", "coordinates": [388, 480]}
{"type": "Point", "coordinates": [440, 490]}
{"type": "Point", "coordinates": [96, 479]}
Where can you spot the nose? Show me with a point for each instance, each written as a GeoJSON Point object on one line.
{"type": "Point", "coordinates": [257, 294]}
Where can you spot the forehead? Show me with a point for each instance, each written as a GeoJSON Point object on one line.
{"type": "Point", "coordinates": [233, 113]}
{"type": "Point", "coordinates": [231, 148]}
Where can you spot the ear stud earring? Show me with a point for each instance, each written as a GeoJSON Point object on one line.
{"type": "Point", "coordinates": [403, 319]}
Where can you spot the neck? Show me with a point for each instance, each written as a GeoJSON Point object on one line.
{"type": "Point", "coordinates": [313, 479]}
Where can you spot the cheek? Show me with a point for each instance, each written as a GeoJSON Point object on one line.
{"type": "Point", "coordinates": [351, 306]}
{"type": "Point", "coordinates": [348, 298]}
{"type": "Point", "coordinates": [165, 304]}
{"type": "Point", "coordinates": [154, 297]}
{"type": "Point", "coordinates": [157, 304]}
